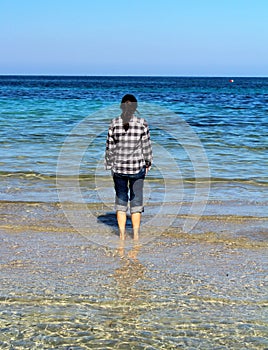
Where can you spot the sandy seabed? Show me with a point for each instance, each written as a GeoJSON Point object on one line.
{"type": "Point", "coordinates": [60, 290]}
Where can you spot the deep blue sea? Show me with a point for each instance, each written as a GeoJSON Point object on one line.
{"type": "Point", "coordinates": [229, 120]}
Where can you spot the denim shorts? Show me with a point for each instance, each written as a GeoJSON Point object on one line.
{"type": "Point", "coordinates": [129, 188]}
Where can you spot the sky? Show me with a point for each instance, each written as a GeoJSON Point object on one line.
{"type": "Point", "coordinates": [141, 37]}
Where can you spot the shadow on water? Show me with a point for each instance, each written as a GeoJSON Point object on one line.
{"type": "Point", "coordinates": [110, 220]}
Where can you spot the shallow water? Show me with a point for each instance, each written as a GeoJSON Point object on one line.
{"type": "Point", "coordinates": [60, 291]}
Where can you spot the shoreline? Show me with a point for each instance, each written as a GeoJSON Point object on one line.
{"type": "Point", "coordinates": [219, 223]}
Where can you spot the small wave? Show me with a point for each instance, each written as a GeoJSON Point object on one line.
{"type": "Point", "coordinates": [26, 175]}
{"type": "Point", "coordinates": [235, 108]}
{"type": "Point", "coordinates": [151, 178]}
{"type": "Point", "coordinates": [40, 176]}
{"type": "Point", "coordinates": [223, 180]}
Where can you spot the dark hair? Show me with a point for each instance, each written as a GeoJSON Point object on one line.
{"type": "Point", "coordinates": [128, 105]}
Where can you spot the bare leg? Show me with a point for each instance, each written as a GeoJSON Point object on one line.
{"type": "Point", "coordinates": [121, 220]}
{"type": "Point", "coordinates": [136, 222]}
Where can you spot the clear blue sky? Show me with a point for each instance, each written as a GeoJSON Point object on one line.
{"type": "Point", "coordinates": [138, 37]}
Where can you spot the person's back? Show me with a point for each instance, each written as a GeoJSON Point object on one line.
{"type": "Point", "coordinates": [129, 156]}
{"type": "Point", "coordinates": [131, 148]}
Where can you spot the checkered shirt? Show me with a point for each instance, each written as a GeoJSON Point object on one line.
{"type": "Point", "coordinates": [128, 151]}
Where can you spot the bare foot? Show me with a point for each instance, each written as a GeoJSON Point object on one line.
{"type": "Point", "coordinates": [121, 250]}
{"type": "Point", "coordinates": [122, 235]}
{"type": "Point", "coordinates": [136, 237]}
{"type": "Point", "coordinates": [136, 234]}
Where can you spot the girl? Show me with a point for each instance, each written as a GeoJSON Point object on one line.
{"type": "Point", "coordinates": [129, 156]}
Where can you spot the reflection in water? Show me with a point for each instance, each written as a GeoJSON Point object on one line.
{"type": "Point", "coordinates": [128, 290]}
{"type": "Point", "coordinates": [130, 272]}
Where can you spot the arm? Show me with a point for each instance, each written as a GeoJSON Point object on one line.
{"type": "Point", "coordinates": [109, 152]}
{"type": "Point", "coordinates": [147, 147]}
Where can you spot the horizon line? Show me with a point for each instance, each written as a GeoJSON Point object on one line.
{"type": "Point", "coordinates": [133, 75]}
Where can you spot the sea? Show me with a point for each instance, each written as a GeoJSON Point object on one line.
{"type": "Point", "coordinates": [205, 197]}
{"type": "Point", "coordinates": [229, 119]}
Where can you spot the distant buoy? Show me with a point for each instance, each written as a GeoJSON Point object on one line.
{"type": "Point", "coordinates": [231, 80]}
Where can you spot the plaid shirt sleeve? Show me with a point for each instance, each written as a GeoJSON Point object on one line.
{"type": "Point", "coordinates": [110, 148]}
{"type": "Point", "coordinates": [146, 145]}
